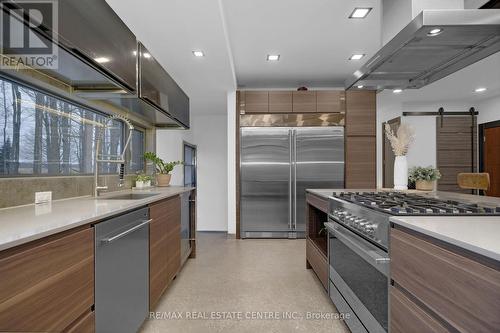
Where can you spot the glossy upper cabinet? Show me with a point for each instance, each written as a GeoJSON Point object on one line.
{"type": "Point", "coordinates": [94, 31]}
{"type": "Point", "coordinates": [158, 88]}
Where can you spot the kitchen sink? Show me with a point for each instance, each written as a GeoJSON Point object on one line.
{"type": "Point", "coordinates": [129, 196]}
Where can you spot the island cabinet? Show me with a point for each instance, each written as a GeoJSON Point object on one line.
{"type": "Point", "coordinates": [317, 237]}
{"type": "Point", "coordinates": [164, 246]}
{"type": "Point", "coordinates": [438, 287]}
{"type": "Point", "coordinates": [48, 285]}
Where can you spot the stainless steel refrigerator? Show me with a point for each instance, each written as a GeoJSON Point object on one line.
{"type": "Point", "coordinates": [277, 165]}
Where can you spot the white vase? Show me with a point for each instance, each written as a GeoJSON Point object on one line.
{"type": "Point", "coordinates": [400, 173]}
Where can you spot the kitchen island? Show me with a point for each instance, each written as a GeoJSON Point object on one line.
{"type": "Point", "coordinates": [433, 258]}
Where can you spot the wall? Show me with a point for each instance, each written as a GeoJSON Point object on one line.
{"type": "Point", "coordinates": [474, 4]}
{"type": "Point", "coordinates": [489, 110]}
{"type": "Point", "coordinates": [231, 162]}
{"type": "Point", "coordinates": [208, 133]}
{"type": "Point", "coordinates": [423, 151]}
{"type": "Point", "coordinates": [170, 148]}
{"type": "Point", "coordinates": [210, 136]}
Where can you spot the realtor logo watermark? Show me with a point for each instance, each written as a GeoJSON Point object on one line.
{"type": "Point", "coordinates": [28, 34]}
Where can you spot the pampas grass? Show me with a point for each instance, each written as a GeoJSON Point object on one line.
{"type": "Point", "coordinates": [401, 140]}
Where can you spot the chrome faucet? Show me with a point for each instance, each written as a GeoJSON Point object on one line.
{"type": "Point", "coordinates": [120, 158]}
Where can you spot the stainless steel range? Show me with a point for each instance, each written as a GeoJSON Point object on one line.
{"type": "Point", "coordinates": [358, 248]}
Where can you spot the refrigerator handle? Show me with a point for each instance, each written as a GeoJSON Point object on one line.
{"type": "Point", "coordinates": [290, 179]}
{"type": "Point", "coordinates": [294, 145]}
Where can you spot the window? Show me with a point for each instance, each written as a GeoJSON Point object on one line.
{"type": "Point", "coordinates": [136, 151]}
{"type": "Point", "coordinates": [43, 135]}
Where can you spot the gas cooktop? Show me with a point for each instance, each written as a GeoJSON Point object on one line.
{"type": "Point", "coordinates": [398, 203]}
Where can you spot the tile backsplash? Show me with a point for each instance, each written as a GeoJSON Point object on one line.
{"type": "Point", "coordinates": [21, 190]}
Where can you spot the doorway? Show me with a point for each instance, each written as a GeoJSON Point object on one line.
{"type": "Point", "coordinates": [489, 155]}
{"type": "Point", "coordinates": [388, 155]}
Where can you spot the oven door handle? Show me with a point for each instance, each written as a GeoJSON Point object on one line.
{"type": "Point", "coordinates": [371, 254]}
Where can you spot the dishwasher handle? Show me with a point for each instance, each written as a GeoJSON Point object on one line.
{"type": "Point", "coordinates": [125, 233]}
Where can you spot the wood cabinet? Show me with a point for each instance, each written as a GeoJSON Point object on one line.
{"type": "Point", "coordinates": [360, 146]}
{"type": "Point", "coordinates": [407, 317]}
{"type": "Point", "coordinates": [164, 246]}
{"type": "Point", "coordinates": [304, 101]}
{"type": "Point", "coordinates": [48, 284]}
{"type": "Point", "coordinates": [360, 162]}
{"type": "Point", "coordinates": [330, 101]}
{"type": "Point", "coordinates": [288, 101]}
{"type": "Point", "coordinates": [280, 102]}
{"type": "Point", "coordinates": [84, 324]}
{"type": "Point", "coordinates": [255, 101]}
{"type": "Point", "coordinates": [361, 113]}
{"type": "Point", "coordinates": [456, 287]}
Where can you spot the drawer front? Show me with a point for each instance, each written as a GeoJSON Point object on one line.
{"type": "Point", "coordinates": [164, 246]}
{"type": "Point", "coordinates": [318, 262]}
{"type": "Point", "coordinates": [352, 320]}
{"type": "Point", "coordinates": [408, 317]}
{"type": "Point", "coordinates": [158, 258]}
{"type": "Point", "coordinates": [47, 286]}
{"type": "Point", "coordinates": [162, 208]}
{"type": "Point", "coordinates": [462, 292]}
{"type": "Point", "coordinates": [86, 324]}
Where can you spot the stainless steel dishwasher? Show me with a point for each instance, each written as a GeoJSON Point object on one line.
{"type": "Point", "coordinates": [122, 272]}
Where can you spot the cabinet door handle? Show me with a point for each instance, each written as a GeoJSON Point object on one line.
{"type": "Point", "coordinates": [126, 232]}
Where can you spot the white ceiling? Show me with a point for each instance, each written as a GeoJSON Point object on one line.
{"type": "Point", "coordinates": [171, 30]}
{"type": "Point", "coordinates": [314, 38]}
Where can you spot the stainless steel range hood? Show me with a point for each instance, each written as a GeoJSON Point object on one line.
{"type": "Point", "coordinates": [415, 58]}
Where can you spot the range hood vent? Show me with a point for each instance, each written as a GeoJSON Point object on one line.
{"type": "Point", "coordinates": [415, 57]}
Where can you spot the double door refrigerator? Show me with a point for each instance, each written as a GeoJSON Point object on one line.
{"type": "Point", "coordinates": [277, 165]}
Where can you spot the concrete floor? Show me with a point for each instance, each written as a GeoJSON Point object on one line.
{"type": "Point", "coordinates": [242, 279]}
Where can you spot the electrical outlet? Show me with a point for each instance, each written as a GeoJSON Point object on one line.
{"type": "Point", "coordinates": [43, 197]}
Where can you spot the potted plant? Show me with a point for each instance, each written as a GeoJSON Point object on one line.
{"type": "Point", "coordinates": [163, 168]}
{"type": "Point", "coordinates": [424, 178]}
{"type": "Point", "coordinates": [142, 181]}
{"type": "Point", "coordinates": [400, 143]}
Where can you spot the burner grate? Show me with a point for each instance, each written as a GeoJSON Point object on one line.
{"type": "Point", "coordinates": [397, 203]}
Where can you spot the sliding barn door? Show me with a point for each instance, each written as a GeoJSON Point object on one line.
{"type": "Point", "coordinates": [456, 150]}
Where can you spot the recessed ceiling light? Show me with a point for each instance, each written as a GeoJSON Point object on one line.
{"type": "Point", "coordinates": [480, 90]}
{"type": "Point", "coordinates": [146, 55]}
{"type": "Point", "coordinates": [356, 56]}
{"type": "Point", "coordinates": [435, 32]}
{"type": "Point", "coordinates": [360, 13]}
{"type": "Point", "coordinates": [273, 57]}
{"type": "Point", "coordinates": [397, 91]}
{"type": "Point", "coordinates": [360, 86]}
{"type": "Point", "coordinates": [102, 60]}
{"type": "Point", "coordinates": [198, 53]}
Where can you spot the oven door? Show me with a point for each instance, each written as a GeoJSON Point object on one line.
{"type": "Point", "coordinates": [359, 271]}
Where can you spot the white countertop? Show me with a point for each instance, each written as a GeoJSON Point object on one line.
{"type": "Point", "coordinates": [478, 234]}
{"type": "Point", "coordinates": [22, 224]}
